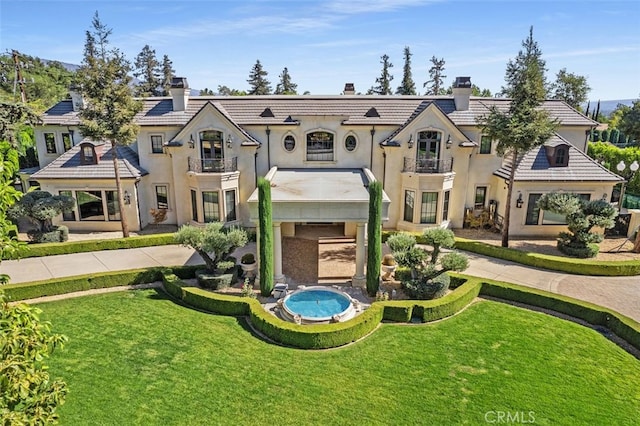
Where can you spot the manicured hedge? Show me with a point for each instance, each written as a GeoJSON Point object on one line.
{"type": "Point", "coordinates": [452, 303]}
{"type": "Point", "coordinates": [222, 304]}
{"type": "Point", "coordinates": [53, 287]}
{"type": "Point", "coordinates": [622, 326]}
{"type": "Point", "coordinates": [50, 249]}
{"type": "Point", "coordinates": [316, 336]}
{"type": "Point", "coordinates": [553, 263]}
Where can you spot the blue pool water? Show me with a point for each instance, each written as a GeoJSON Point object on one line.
{"type": "Point", "coordinates": [317, 303]}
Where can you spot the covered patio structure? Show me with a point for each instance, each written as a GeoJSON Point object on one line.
{"type": "Point", "coordinates": [318, 195]}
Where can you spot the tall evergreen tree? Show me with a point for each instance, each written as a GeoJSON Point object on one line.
{"type": "Point", "coordinates": [374, 237]}
{"type": "Point", "coordinates": [167, 74]}
{"type": "Point", "coordinates": [384, 81]}
{"type": "Point", "coordinates": [435, 84]}
{"type": "Point", "coordinates": [109, 111]}
{"type": "Point", "coordinates": [630, 121]}
{"type": "Point", "coordinates": [148, 70]}
{"type": "Point", "coordinates": [258, 80]}
{"type": "Point", "coordinates": [571, 88]}
{"type": "Point", "coordinates": [286, 86]}
{"type": "Point", "coordinates": [525, 125]}
{"type": "Point", "coordinates": [408, 87]}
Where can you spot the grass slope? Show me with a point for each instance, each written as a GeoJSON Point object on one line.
{"type": "Point", "coordinates": [138, 358]}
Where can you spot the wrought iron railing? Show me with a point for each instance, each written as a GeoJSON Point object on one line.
{"type": "Point", "coordinates": [320, 155]}
{"type": "Point", "coordinates": [427, 165]}
{"type": "Point", "coordinates": [213, 165]}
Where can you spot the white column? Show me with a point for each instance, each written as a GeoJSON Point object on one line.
{"type": "Point", "coordinates": [359, 279]}
{"type": "Point", "coordinates": [277, 253]}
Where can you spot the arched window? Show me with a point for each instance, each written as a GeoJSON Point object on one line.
{"type": "Point", "coordinates": [429, 145]}
{"type": "Point", "coordinates": [289, 143]}
{"type": "Point", "coordinates": [319, 146]}
{"type": "Point", "coordinates": [350, 143]}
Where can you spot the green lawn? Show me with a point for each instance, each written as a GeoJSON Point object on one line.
{"type": "Point", "coordinates": [139, 358]}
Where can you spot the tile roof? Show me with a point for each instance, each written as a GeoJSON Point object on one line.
{"type": "Point", "coordinates": [534, 166]}
{"type": "Point", "coordinates": [68, 166]}
{"type": "Point", "coordinates": [351, 109]}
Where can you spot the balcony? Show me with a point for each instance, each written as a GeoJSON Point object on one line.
{"type": "Point", "coordinates": [427, 165]}
{"type": "Point", "coordinates": [213, 165]}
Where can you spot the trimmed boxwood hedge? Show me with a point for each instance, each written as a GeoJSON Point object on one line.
{"type": "Point", "coordinates": [553, 263]}
{"type": "Point", "coordinates": [50, 249]}
{"type": "Point", "coordinates": [52, 287]}
{"type": "Point", "coordinates": [622, 326]}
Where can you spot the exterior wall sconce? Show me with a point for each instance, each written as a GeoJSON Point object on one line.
{"type": "Point", "coordinates": [229, 142]}
{"type": "Point", "coordinates": [604, 196]}
{"type": "Point", "coordinates": [127, 197]}
{"type": "Point", "coordinates": [519, 201]}
{"type": "Point", "coordinates": [449, 142]}
{"type": "Point", "coordinates": [410, 142]}
{"type": "Point", "coordinates": [192, 143]}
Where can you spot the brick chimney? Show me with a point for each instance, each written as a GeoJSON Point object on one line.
{"type": "Point", "coordinates": [179, 93]}
{"type": "Point", "coordinates": [349, 89]}
{"type": "Point", "coordinates": [462, 93]}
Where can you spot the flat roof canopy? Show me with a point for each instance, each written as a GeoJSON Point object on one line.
{"type": "Point", "coordinates": [318, 195]}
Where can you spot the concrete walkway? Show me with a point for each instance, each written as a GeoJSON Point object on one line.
{"type": "Point", "coordinates": [621, 294]}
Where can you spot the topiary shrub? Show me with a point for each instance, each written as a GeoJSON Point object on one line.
{"type": "Point", "coordinates": [58, 234]}
{"type": "Point", "coordinates": [401, 242]}
{"type": "Point", "coordinates": [581, 216]}
{"type": "Point", "coordinates": [426, 289]}
{"type": "Point", "coordinates": [214, 243]}
{"type": "Point", "coordinates": [428, 279]}
{"type": "Point", "coordinates": [40, 207]}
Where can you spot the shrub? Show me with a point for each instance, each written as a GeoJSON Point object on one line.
{"type": "Point", "coordinates": [248, 259]}
{"type": "Point", "coordinates": [55, 235]}
{"type": "Point", "coordinates": [581, 216]}
{"type": "Point", "coordinates": [40, 207]}
{"type": "Point", "coordinates": [401, 242]}
{"type": "Point", "coordinates": [398, 311]}
{"type": "Point", "coordinates": [426, 289]}
{"type": "Point", "coordinates": [438, 238]}
{"type": "Point", "coordinates": [213, 243]}
{"type": "Point", "coordinates": [247, 289]}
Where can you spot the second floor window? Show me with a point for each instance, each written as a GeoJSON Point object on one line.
{"type": "Point", "coordinates": [156, 144]}
{"type": "Point", "coordinates": [485, 145]}
{"type": "Point", "coordinates": [429, 145]}
{"type": "Point", "coordinates": [320, 146]}
{"type": "Point", "coordinates": [67, 143]}
{"type": "Point", "coordinates": [50, 143]}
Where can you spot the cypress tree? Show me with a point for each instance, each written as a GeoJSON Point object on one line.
{"type": "Point", "coordinates": [408, 87]}
{"type": "Point", "coordinates": [604, 135]}
{"type": "Point", "coordinates": [266, 236]}
{"type": "Point", "coordinates": [374, 232]}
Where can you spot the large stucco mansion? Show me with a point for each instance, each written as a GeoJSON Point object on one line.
{"type": "Point", "coordinates": [199, 158]}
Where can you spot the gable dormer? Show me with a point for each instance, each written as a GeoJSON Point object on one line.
{"type": "Point", "coordinates": [557, 154]}
{"type": "Point", "coordinates": [90, 153]}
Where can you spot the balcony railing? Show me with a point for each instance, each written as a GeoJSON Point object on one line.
{"type": "Point", "coordinates": [427, 165]}
{"type": "Point", "coordinates": [213, 165]}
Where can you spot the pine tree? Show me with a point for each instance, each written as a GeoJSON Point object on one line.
{"type": "Point", "coordinates": [109, 111]}
{"type": "Point", "coordinates": [148, 70]}
{"type": "Point", "coordinates": [525, 125]}
{"type": "Point", "coordinates": [436, 77]}
{"type": "Point", "coordinates": [258, 81]}
{"type": "Point", "coordinates": [286, 86]}
{"type": "Point", "coordinates": [384, 81]}
{"type": "Point", "coordinates": [167, 74]}
{"type": "Point", "coordinates": [408, 87]}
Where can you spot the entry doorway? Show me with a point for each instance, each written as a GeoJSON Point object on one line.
{"type": "Point", "coordinates": [319, 253]}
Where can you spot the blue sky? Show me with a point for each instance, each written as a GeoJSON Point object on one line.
{"type": "Point", "coordinates": [325, 44]}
